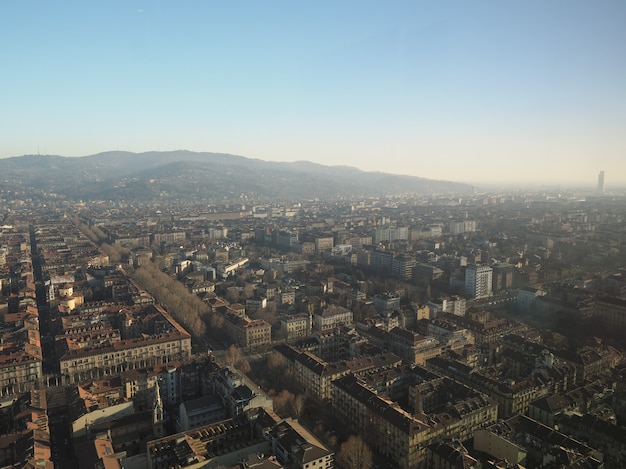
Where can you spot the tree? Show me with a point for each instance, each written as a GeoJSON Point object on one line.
{"type": "Point", "coordinates": [234, 296]}
{"type": "Point", "coordinates": [233, 355]}
{"type": "Point", "coordinates": [277, 365]}
{"type": "Point", "coordinates": [355, 454]}
{"type": "Point", "coordinates": [296, 405]}
{"type": "Point", "coordinates": [243, 365]}
{"type": "Point", "coordinates": [281, 402]}
{"type": "Point", "coordinates": [216, 321]}
{"type": "Point", "coordinates": [186, 308]}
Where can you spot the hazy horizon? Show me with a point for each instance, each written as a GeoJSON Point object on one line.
{"type": "Point", "coordinates": [483, 92]}
{"type": "Point", "coordinates": [490, 185]}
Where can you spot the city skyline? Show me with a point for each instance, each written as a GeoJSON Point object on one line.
{"type": "Point", "coordinates": [487, 92]}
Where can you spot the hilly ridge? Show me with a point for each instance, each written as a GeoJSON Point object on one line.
{"type": "Point", "coordinates": [119, 175]}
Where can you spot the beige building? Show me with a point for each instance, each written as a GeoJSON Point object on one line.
{"type": "Point", "coordinates": [288, 296]}
{"type": "Point", "coordinates": [393, 432]}
{"type": "Point", "coordinates": [312, 374]}
{"type": "Point", "coordinates": [401, 435]}
{"type": "Point", "coordinates": [412, 347]}
{"type": "Point", "coordinates": [611, 311]}
{"type": "Point", "coordinates": [494, 443]}
{"type": "Point", "coordinates": [221, 444]}
{"type": "Point", "coordinates": [315, 375]}
{"type": "Point", "coordinates": [333, 316]}
{"type": "Point", "coordinates": [296, 326]}
{"type": "Point", "coordinates": [450, 454]}
{"type": "Point", "coordinates": [247, 332]}
{"type": "Point", "coordinates": [20, 361]}
{"type": "Point", "coordinates": [522, 440]}
{"type": "Point", "coordinates": [592, 361]}
{"type": "Point", "coordinates": [141, 384]}
{"type": "Point", "coordinates": [298, 448]}
{"type": "Point", "coordinates": [149, 336]}
{"type": "Point", "coordinates": [323, 243]}
{"type": "Point", "coordinates": [512, 395]}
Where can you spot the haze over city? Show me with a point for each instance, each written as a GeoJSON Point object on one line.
{"type": "Point", "coordinates": [498, 92]}
{"type": "Point", "coordinates": [330, 235]}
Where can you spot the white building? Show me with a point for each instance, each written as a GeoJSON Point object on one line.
{"type": "Point", "coordinates": [333, 316]}
{"type": "Point", "coordinates": [478, 280]}
{"type": "Point", "coordinates": [462, 226]}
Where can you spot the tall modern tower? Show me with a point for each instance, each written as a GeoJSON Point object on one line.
{"type": "Point", "coordinates": [478, 281]}
{"type": "Point", "coordinates": [600, 188]}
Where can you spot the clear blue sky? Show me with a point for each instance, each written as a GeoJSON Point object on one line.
{"type": "Point", "coordinates": [461, 90]}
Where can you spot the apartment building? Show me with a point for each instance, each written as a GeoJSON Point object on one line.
{"type": "Point", "coordinates": [398, 434]}
{"type": "Point", "coordinates": [323, 243]}
{"type": "Point", "coordinates": [152, 337]}
{"type": "Point", "coordinates": [20, 361]}
{"type": "Point", "coordinates": [604, 435]}
{"type": "Point", "coordinates": [512, 395]}
{"type": "Point", "coordinates": [502, 278]}
{"type": "Point", "coordinates": [237, 394]}
{"type": "Point", "coordinates": [478, 281]}
{"type": "Point", "coordinates": [312, 374]}
{"type": "Point", "coordinates": [247, 332]}
{"type": "Point", "coordinates": [315, 375]}
{"type": "Point", "coordinates": [457, 227]}
{"type": "Point", "coordinates": [380, 261]}
{"type": "Point", "coordinates": [199, 412]}
{"type": "Point", "coordinates": [389, 233]}
{"type": "Point", "coordinates": [298, 448]}
{"type": "Point", "coordinates": [524, 441]}
{"type": "Point", "coordinates": [287, 296]}
{"type": "Point", "coordinates": [176, 382]}
{"type": "Point", "coordinates": [332, 316]}
{"type": "Point", "coordinates": [450, 453]}
{"type": "Point", "coordinates": [223, 443]}
{"type": "Point", "coordinates": [253, 305]}
{"type": "Point", "coordinates": [412, 347]}
{"type": "Point", "coordinates": [296, 326]}
{"type": "Point", "coordinates": [611, 312]}
{"type": "Point", "coordinates": [450, 335]}
{"type": "Point", "coordinates": [332, 344]}
{"type": "Point", "coordinates": [402, 266]}
{"type": "Point", "coordinates": [388, 429]}
{"type": "Point", "coordinates": [386, 302]}
{"type": "Point", "coordinates": [172, 237]}
{"type": "Point", "coordinates": [591, 361]}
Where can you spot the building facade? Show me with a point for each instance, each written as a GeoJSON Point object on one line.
{"type": "Point", "coordinates": [478, 281]}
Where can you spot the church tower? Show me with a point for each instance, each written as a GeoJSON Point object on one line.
{"type": "Point", "coordinates": [158, 414]}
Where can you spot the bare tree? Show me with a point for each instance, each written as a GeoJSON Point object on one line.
{"type": "Point", "coordinates": [276, 364]}
{"type": "Point", "coordinates": [186, 308]}
{"type": "Point", "coordinates": [243, 365]}
{"type": "Point", "coordinates": [99, 233]}
{"type": "Point", "coordinates": [217, 321]}
{"type": "Point", "coordinates": [248, 290]}
{"type": "Point", "coordinates": [233, 355]}
{"type": "Point", "coordinates": [233, 296]}
{"type": "Point", "coordinates": [281, 402]}
{"type": "Point", "coordinates": [355, 454]}
{"type": "Point", "coordinates": [296, 405]}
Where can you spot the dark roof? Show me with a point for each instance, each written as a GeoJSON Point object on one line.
{"type": "Point", "coordinates": [385, 409]}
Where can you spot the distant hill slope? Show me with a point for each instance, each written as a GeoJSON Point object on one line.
{"type": "Point", "coordinates": [121, 175]}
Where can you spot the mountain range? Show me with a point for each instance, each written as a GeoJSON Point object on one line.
{"type": "Point", "coordinates": [120, 175]}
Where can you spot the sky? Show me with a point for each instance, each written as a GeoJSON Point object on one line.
{"type": "Point", "coordinates": [476, 91]}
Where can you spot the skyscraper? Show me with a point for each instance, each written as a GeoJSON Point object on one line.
{"type": "Point", "coordinates": [600, 189]}
{"type": "Point", "coordinates": [478, 280]}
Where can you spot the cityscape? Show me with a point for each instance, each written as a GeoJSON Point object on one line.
{"type": "Point", "coordinates": [313, 235]}
{"type": "Point", "coordinates": [434, 329]}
